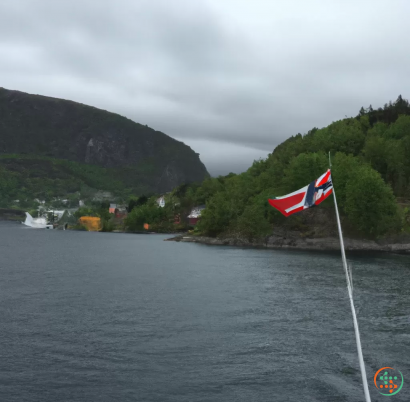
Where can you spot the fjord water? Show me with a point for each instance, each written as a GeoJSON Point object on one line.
{"type": "Point", "coordinates": [120, 317]}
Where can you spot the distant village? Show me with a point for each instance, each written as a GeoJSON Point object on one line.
{"type": "Point", "coordinates": [67, 218]}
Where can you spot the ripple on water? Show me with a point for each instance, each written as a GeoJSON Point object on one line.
{"type": "Point", "coordinates": [115, 317]}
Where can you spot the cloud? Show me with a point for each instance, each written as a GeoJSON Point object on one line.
{"type": "Point", "coordinates": [234, 75]}
{"type": "Point", "coordinates": [217, 156]}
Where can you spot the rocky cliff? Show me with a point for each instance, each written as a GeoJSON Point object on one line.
{"type": "Point", "coordinates": [57, 128]}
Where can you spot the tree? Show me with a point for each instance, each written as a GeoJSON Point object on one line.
{"type": "Point", "coordinates": [219, 213]}
{"type": "Point", "coordinates": [370, 203]}
{"type": "Point", "coordinates": [136, 202]}
{"type": "Point", "coordinates": [149, 213]}
{"type": "Point", "coordinates": [304, 169]}
{"type": "Point", "coordinates": [341, 136]}
{"type": "Point", "coordinates": [375, 153]}
{"type": "Point", "coordinates": [399, 129]}
{"type": "Point", "coordinates": [344, 167]}
{"type": "Point", "coordinates": [252, 224]}
{"type": "Point", "coordinates": [85, 211]}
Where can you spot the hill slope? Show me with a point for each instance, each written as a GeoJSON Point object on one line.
{"type": "Point", "coordinates": [370, 171]}
{"type": "Point", "coordinates": [55, 128]}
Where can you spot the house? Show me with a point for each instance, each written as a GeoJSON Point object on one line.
{"type": "Point", "coordinates": [56, 215]}
{"type": "Point", "coordinates": [195, 214]}
{"type": "Point", "coordinates": [161, 201]}
{"type": "Point", "coordinates": [92, 223]}
{"type": "Point", "coordinates": [120, 211]}
{"type": "Point", "coordinates": [112, 209]}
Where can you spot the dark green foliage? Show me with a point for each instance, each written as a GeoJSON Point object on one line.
{"type": "Point", "coordinates": [302, 169]}
{"type": "Point", "coordinates": [79, 226]}
{"type": "Point", "coordinates": [406, 219]}
{"type": "Point", "coordinates": [131, 154]}
{"type": "Point", "coordinates": [137, 202]}
{"type": "Point", "coordinates": [387, 148]}
{"type": "Point", "coordinates": [344, 167]}
{"type": "Point", "coordinates": [107, 225]}
{"type": "Point", "coordinates": [370, 170]}
{"type": "Point", "coordinates": [25, 177]}
{"type": "Point", "coordinates": [206, 190]}
{"type": "Point", "coordinates": [342, 136]}
{"type": "Point", "coordinates": [99, 209]}
{"type": "Point", "coordinates": [371, 167]}
{"type": "Point", "coordinates": [252, 224]}
{"type": "Point", "coordinates": [149, 213]}
{"type": "Point", "coordinates": [220, 212]}
{"type": "Point", "coordinates": [370, 204]}
{"type": "Point", "coordinates": [388, 114]}
{"type": "Point", "coordinates": [102, 211]}
{"type": "Point", "coordinates": [85, 211]}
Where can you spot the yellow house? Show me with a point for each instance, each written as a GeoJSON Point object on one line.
{"type": "Point", "coordinates": [92, 223]}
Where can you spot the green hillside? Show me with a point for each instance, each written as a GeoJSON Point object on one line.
{"type": "Point", "coordinates": [105, 150]}
{"type": "Point", "coordinates": [370, 170]}
{"type": "Point", "coordinates": [26, 177]}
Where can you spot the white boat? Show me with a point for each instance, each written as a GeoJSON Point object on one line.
{"type": "Point", "coordinates": [38, 223]}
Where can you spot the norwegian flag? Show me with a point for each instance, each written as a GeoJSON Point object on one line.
{"type": "Point", "coordinates": [309, 196]}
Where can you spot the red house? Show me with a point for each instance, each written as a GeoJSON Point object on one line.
{"type": "Point", "coordinates": [195, 215]}
{"type": "Point", "coordinates": [120, 212]}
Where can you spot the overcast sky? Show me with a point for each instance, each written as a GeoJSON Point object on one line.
{"type": "Point", "coordinates": [230, 78]}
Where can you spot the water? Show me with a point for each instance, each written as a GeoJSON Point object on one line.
{"type": "Point", "coordinates": [120, 317]}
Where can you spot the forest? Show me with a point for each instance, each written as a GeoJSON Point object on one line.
{"type": "Point", "coordinates": [370, 156]}
{"type": "Point", "coordinates": [54, 148]}
{"type": "Point", "coordinates": [26, 177]}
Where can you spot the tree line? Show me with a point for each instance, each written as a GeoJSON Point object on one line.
{"type": "Point", "coordinates": [370, 170]}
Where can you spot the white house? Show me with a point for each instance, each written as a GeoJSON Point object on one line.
{"type": "Point", "coordinates": [161, 201]}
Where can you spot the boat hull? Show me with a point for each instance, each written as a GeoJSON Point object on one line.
{"type": "Point", "coordinates": [36, 223]}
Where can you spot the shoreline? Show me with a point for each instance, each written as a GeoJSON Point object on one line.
{"type": "Point", "coordinates": [314, 244]}
{"type": "Point", "coordinates": [292, 241]}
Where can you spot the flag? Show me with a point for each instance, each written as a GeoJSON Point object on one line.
{"type": "Point", "coordinates": [309, 196]}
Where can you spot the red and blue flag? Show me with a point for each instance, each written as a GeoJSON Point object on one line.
{"type": "Point", "coordinates": [309, 196]}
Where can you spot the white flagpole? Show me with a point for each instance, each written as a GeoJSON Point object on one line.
{"type": "Point", "coordinates": [349, 290]}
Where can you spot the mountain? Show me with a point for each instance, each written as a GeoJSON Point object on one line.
{"type": "Point", "coordinates": [34, 128]}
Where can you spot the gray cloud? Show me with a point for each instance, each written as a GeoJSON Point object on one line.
{"type": "Point", "coordinates": [231, 79]}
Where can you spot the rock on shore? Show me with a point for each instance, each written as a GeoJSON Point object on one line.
{"type": "Point", "coordinates": [293, 240]}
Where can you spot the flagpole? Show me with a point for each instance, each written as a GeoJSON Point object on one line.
{"type": "Point", "coordinates": [349, 290]}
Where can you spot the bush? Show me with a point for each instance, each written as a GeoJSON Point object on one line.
{"type": "Point", "coordinates": [217, 216]}
{"type": "Point", "coordinates": [370, 204]}
{"type": "Point", "coordinates": [343, 168]}
{"type": "Point", "coordinates": [148, 213]}
{"type": "Point", "coordinates": [107, 225]}
{"type": "Point", "coordinates": [79, 226]}
{"type": "Point", "coordinates": [252, 224]}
